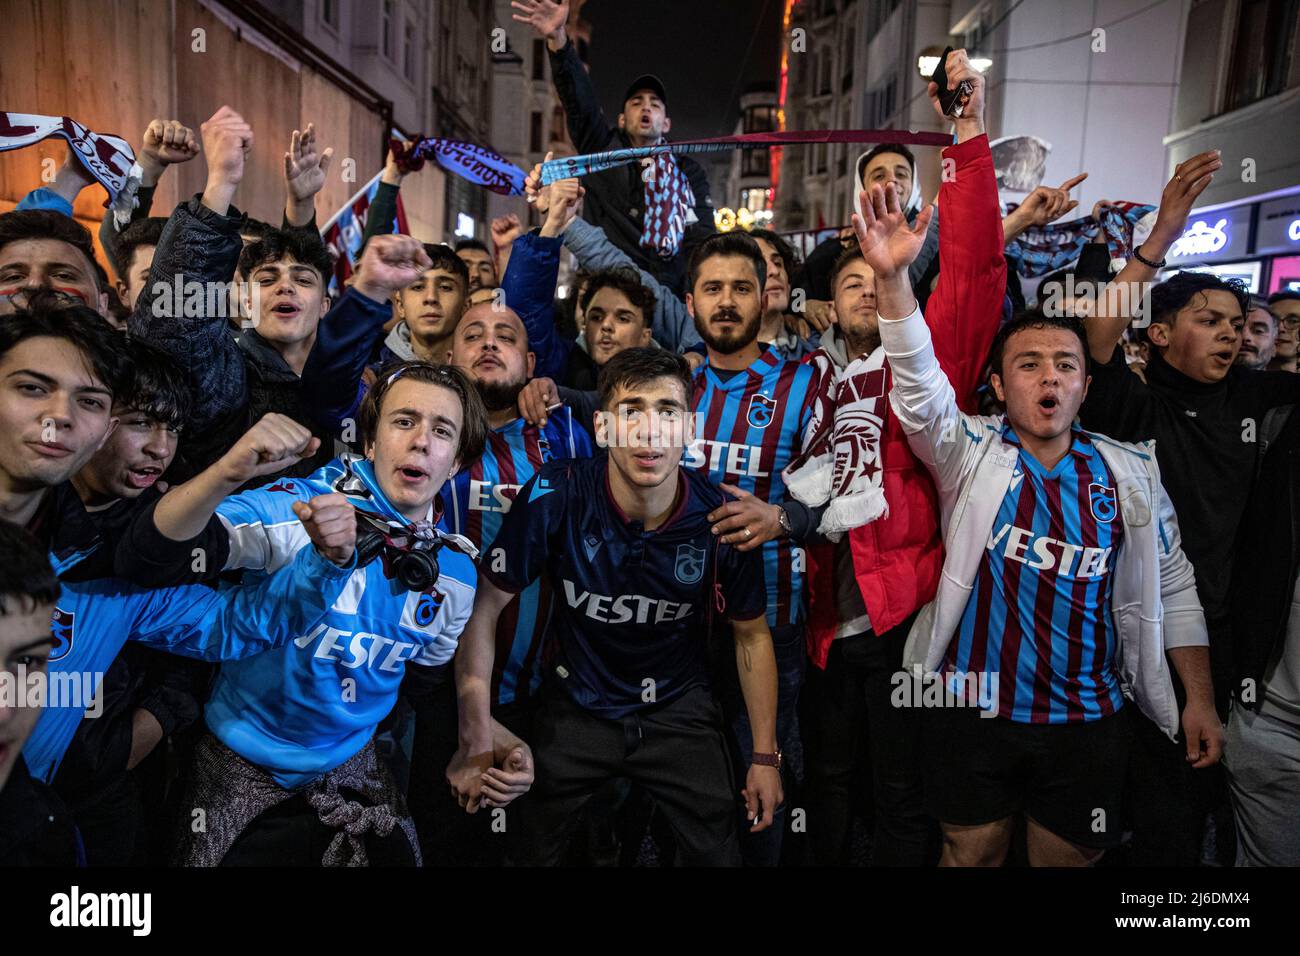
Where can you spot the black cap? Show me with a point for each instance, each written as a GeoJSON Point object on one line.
{"type": "Point", "coordinates": [647, 82]}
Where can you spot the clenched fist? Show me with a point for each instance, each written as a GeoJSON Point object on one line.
{"type": "Point", "coordinates": [165, 143]}
{"type": "Point", "coordinates": [273, 444]}
{"type": "Point", "coordinates": [331, 523]}
{"type": "Point", "coordinates": [226, 140]}
{"type": "Point", "coordinates": [390, 264]}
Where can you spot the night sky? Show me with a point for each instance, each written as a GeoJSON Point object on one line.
{"type": "Point", "coordinates": [695, 46]}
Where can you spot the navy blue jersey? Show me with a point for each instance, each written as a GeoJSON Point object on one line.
{"type": "Point", "coordinates": [632, 607]}
{"type": "Point", "coordinates": [478, 496]}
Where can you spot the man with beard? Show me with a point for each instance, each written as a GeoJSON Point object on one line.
{"type": "Point", "coordinates": [1258, 337]}
{"type": "Point", "coordinates": [491, 346]}
{"type": "Point", "coordinates": [479, 263]}
{"type": "Point", "coordinates": [753, 411]}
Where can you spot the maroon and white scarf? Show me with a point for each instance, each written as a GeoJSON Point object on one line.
{"type": "Point", "coordinates": [841, 462]}
{"type": "Point", "coordinates": [108, 158]}
{"type": "Point", "coordinates": [669, 201]}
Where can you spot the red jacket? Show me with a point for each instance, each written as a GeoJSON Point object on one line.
{"type": "Point", "coordinates": [897, 557]}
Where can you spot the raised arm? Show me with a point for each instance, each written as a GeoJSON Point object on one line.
{"type": "Point", "coordinates": [965, 308]}
{"type": "Point", "coordinates": [306, 167]}
{"type": "Point", "coordinates": [921, 396]}
{"type": "Point", "coordinates": [529, 282]}
{"type": "Point", "coordinates": [354, 327]}
{"type": "Point", "coordinates": [245, 620]}
{"type": "Point", "coordinates": [588, 128]}
{"type": "Point", "coordinates": [1106, 327]}
{"type": "Point", "coordinates": [163, 544]}
{"type": "Point", "coordinates": [201, 244]}
{"type": "Point", "coordinates": [165, 143]}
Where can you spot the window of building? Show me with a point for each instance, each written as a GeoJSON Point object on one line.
{"type": "Point", "coordinates": [824, 74]}
{"type": "Point", "coordinates": [408, 51]}
{"type": "Point", "coordinates": [754, 162]}
{"type": "Point", "coordinates": [386, 30]}
{"type": "Point", "coordinates": [1262, 51]}
{"type": "Point", "coordinates": [329, 12]}
{"type": "Point", "coordinates": [539, 59]}
{"type": "Point", "coordinates": [535, 133]}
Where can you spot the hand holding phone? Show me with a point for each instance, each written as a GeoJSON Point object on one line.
{"type": "Point", "coordinates": [952, 102]}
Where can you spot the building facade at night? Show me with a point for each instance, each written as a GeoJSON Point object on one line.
{"type": "Point", "coordinates": [1081, 77]}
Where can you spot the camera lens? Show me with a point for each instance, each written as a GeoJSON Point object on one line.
{"type": "Point", "coordinates": [417, 570]}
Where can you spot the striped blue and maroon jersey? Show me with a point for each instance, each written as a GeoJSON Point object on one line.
{"type": "Point", "coordinates": [478, 498]}
{"type": "Point", "coordinates": [1039, 615]}
{"type": "Point", "coordinates": [750, 426]}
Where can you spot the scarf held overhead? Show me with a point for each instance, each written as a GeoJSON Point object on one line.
{"type": "Point", "coordinates": [1043, 249]}
{"type": "Point", "coordinates": [106, 157]}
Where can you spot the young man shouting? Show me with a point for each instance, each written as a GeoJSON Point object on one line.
{"type": "Point", "coordinates": [639, 578]}
{"type": "Point", "coordinates": [1063, 576]}
{"type": "Point", "coordinates": [292, 726]}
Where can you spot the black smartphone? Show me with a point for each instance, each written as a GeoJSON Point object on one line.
{"type": "Point", "coordinates": [952, 102]}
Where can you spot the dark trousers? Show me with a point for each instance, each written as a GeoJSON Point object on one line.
{"type": "Point", "coordinates": [448, 835]}
{"type": "Point", "coordinates": [1169, 802]}
{"type": "Point", "coordinates": [764, 847]}
{"type": "Point", "coordinates": [675, 751]}
{"type": "Point", "coordinates": [848, 722]}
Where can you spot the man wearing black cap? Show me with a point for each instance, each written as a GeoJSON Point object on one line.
{"type": "Point", "coordinates": [655, 212]}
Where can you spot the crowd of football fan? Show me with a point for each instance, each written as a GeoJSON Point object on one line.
{"type": "Point", "coordinates": [724, 557]}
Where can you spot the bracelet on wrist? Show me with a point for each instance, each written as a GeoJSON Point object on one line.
{"type": "Point", "coordinates": [1137, 254]}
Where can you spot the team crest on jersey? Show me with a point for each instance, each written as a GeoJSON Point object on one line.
{"type": "Point", "coordinates": [761, 410]}
{"type": "Point", "coordinates": [426, 609]}
{"type": "Point", "coordinates": [283, 485]}
{"type": "Point", "coordinates": [61, 629]}
{"type": "Point", "coordinates": [1102, 500]}
{"type": "Point", "coordinates": [690, 564]}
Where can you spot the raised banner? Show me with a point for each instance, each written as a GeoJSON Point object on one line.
{"type": "Point", "coordinates": [568, 167]}
{"type": "Point", "coordinates": [478, 164]}
{"type": "Point", "coordinates": [342, 232]}
{"type": "Point", "coordinates": [106, 157]}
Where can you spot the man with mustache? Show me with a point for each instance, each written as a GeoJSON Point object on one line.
{"type": "Point", "coordinates": [753, 411]}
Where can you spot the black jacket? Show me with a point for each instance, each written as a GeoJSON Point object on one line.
{"type": "Point", "coordinates": [36, 828]}
{"type": "Point", "coordinates": [615, 198]}
{"type": "Point", "coordinates": [1268, 554]}
{"type": "Point", "coordinates": [235, 378]}
{"type": "Point", "coordinates": [1207, 444]}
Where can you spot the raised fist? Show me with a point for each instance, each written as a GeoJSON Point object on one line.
{"type": "Point", "coordinates": [390, 264]}
{"type": "Point", "coordinates": [331, 523]}
{"type": "Point", "coordinates": [165, 143]}
{"type": "Point", "coordinates": [226, 140]}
